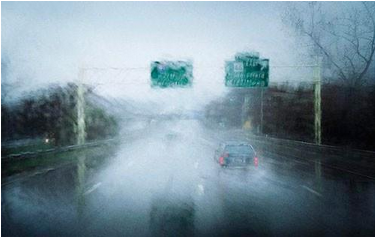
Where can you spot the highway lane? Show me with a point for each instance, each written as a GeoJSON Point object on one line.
{"type": "Point", "coordinates": [165, 183]}
{"type": "Point", "coordinates": [343, 202]}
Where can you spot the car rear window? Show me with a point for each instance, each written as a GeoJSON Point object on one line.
{"type": "Point", "coordinates": [239, 149]}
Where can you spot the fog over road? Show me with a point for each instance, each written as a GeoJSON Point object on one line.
{"type": "Point", "coordinates": [164, 182]}
{"type": "Point", "coordinates": [112, 113]}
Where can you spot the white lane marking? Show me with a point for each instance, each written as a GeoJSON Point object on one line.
{"type": "Point", "coordinates": [200, 189]}
{"type": "Point", "coordinates": [312, 190]}
{"type": "Point", "coordinates": [93, 188]}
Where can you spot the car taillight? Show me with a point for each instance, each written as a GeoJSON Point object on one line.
{"type": "Point", "coordinates": [221, 160]}
{"type": "Point", "coordinates": [256, 162]}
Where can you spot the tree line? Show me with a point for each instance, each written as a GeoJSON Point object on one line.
{"type": "Point", "coordinates": [288, 112]}
{"type": "Point", "coordinates": [52, 114]}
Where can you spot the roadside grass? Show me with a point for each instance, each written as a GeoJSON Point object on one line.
{"type": "Point", "coordinates": [94, 156]}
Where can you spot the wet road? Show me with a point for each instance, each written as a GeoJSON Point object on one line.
{"type": "Point", "coordinates": [164, 182]}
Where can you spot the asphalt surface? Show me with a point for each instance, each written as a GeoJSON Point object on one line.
{"type": "Point", "coordinates": [164, 182]}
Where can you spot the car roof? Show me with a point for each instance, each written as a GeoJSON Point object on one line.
{"type": "Point", "coordinates": [236, 143]}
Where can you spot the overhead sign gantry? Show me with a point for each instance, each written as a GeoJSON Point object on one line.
{"type": "Point", "coordinates": [165, 74]}
{"type": "Point", "coordinates": [247, 70]}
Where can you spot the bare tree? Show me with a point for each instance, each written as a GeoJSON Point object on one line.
{"type": "Point", "coordinates": [343, 34]}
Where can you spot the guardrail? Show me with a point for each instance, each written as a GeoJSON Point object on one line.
{"type": "Point", "coordinates": [356, 161]}
{"type": "Point", "coordinates": [23, 155]}
{"type": "Point", "coordinates": [315, 147]}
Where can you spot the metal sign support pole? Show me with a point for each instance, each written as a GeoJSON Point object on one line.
{"type": "Point", "coordinates": [81, 127]}
{"type": "Point", "coordinates": [261, 110]}
{"type": "Point", "coordinates": [317, 104]}
{"type": "Point", "coordinates": [245, 110]}
{"type": "Point", "coordinates": [81, 137]}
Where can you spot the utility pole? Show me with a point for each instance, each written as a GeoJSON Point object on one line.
{"type": "Point", "coordinates": [318, 100]}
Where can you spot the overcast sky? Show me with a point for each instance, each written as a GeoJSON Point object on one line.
{"type": "Point", "coordinates": [46, 42]}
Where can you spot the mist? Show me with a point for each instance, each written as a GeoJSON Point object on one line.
{"type": "Point", "coordinates": [44, 43]}
{"type": "Point", "coordinates": [92, 145]}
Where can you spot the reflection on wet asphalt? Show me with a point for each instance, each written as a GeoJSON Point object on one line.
{"type": "Point", "coordinates": [165, 183]}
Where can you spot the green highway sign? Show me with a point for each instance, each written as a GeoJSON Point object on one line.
{"type": "Point", "coordinates": [247, 70]}
{"type": "Point", "coordinates": [165, 74]}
